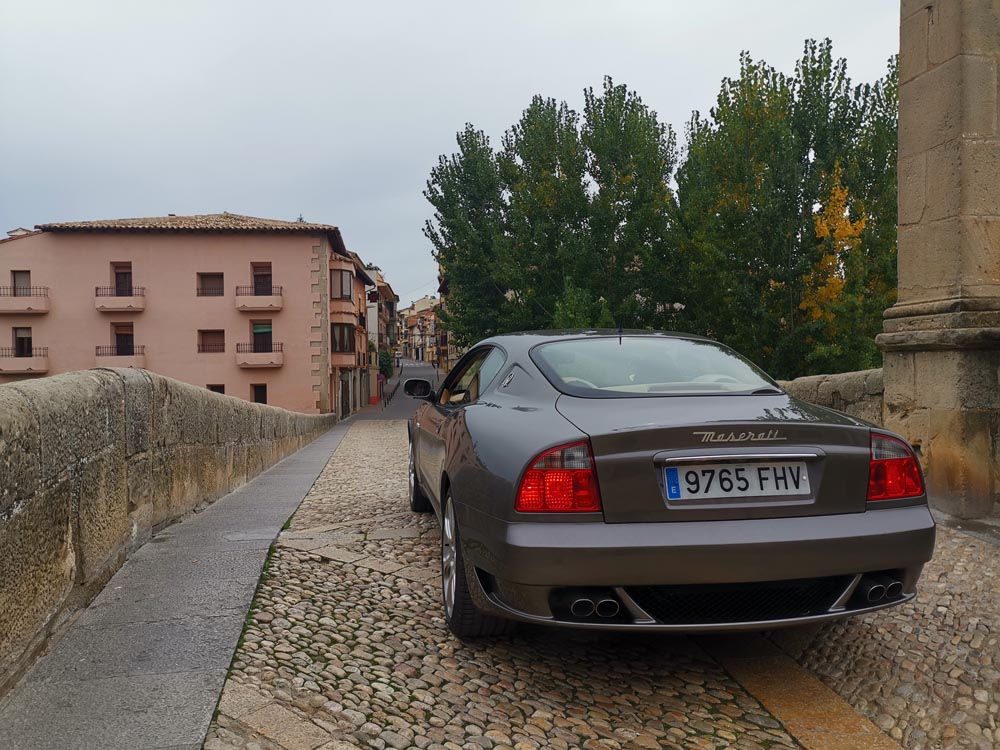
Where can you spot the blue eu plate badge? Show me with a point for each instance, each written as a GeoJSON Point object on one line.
{"type": "Point", "coordinates": [673, 484]}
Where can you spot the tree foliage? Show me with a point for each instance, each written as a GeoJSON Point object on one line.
{"type": "Point", "coordinates": [774, 234]}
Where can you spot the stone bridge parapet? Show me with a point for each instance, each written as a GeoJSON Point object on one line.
{"type": "Point", "coordinates": [92, 463]}
{"type": "Point", "coordinates": [859, 394]}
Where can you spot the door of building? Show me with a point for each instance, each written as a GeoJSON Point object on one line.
{"type": "Point", "coordinates": [262, 280]}
{"type": "Point", "coordinates": [22, 342]}
{"type": "Point", "coordinates": [262, 337]}
{"type": "Point", "coordinates": [124, 340]}
{"type": "Point", "coordinates": [22, 283]}
{"type": "Point", "coordinates": [123, 281]}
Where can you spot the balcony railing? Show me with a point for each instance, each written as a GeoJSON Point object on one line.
{"type": "Point", "coordinates": [35, 351]}
{"type": "Point", "coordinates": [254, 348]}
{"type": "Point", "coordinates": [211, 348]}
{"type": "Point", "coordinates": [24, 291]}
{"type": "Point", "coordinates": [138, 350]}
{"type": "Point", "coordinates": [258, 290]}
{"type": "Point", "coordinates": [119, 291]}
{"type": "Point", "coordinates": [210, 291]}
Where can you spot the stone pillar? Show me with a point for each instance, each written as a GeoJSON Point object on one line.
{"type": "Point", "coordinates": [941, 340]}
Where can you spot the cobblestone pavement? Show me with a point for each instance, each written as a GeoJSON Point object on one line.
{"type": "Point", "coordinates": [346, 648]}
{"type": "Point", "coordinates": [927, 672]}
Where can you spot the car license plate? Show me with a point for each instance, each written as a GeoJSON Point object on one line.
{"type": "Point", "coordinates": [707, 481]}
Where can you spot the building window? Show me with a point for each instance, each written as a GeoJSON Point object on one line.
{"type": "Point", "coordinates": [342, 285]}
{"type": "Point", "coordinates": [261, 279]}
{"type": "Point", "coordinates": [259, 393]}
{"type": "Point", "coordinates": [262, 338]}
{"type": "Point", "coordinates": [21, 281]}
{"type": "Point", "coordinates": [211, 285]}
{"type": "Point", "coordinates": [121, 276]}
{"type": "Point", "coordinates": [211, 342]}
{"type": "Point", "coordinates": [342, 338]}
{"type": "Point", "coordinates": [124, 337]}
{"type": "Point", "coordinates": [218, 388]}
{"type": "Point", "coordinates": [22, 342]}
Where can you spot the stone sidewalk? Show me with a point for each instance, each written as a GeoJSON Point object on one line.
{"type": "Point", "coordinates": [346, 648]}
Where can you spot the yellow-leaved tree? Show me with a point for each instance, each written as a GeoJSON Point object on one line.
{"type": "Point", "coordinates": [837, 235]}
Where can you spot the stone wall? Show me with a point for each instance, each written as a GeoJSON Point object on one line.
{"type": "Point", "coordinates": [92, 463]}
{"type": "Point", "coordinates": [857, 393]}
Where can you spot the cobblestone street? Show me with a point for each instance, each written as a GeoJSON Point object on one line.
{"type": "Point", "coordinates": [346, 647]}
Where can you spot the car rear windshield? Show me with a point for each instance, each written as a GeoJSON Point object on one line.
{"type": "Point", "coordinates": [615, 367]}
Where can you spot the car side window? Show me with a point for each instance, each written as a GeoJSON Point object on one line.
{"type": "Point", "coordinates": [472, 379]}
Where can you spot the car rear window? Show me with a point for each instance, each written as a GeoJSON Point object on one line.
{"type": "Point", "coordinates": [615, 367]}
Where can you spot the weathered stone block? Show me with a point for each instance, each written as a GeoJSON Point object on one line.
{"type": "Point", "coordinates": [80, 414]}
{"type": "Point", "coordinates": [908, 7]}
{"type": "Point", "coordinates": [913, 32]}
{"type": "Point", "coordinates": [943, 194]}
{"type": "Point", "coordinates": [138, 387]}
{"type": "Point", "coordinates": [899, 371]}
{"type": "Point", "coordinates": [912, 177]}
{"type": "Point", "coordinates": [959, 461]}
{"type": "Point", "coordinates": [20, 449]}
{"type": "Point", "coordinates": [806, 388]}
{"type": "Point", "coordinates": [943, 24]}
{"type": "Point", "coordinates": [875, 382]}
{"type": "Point", "coordinates": [979, 96]}
{"type": "Point", "coordinates": [930, 109]}
{"type": "Point", "coordinates": [36, 570]}
{"type": "Point", "coordinates": [933, 251]}
{"type": "Point", "coordinates": [980, 176]}
{"type": "Point", "coordinates": [851, 385]}
{"type": "Point", "coordinates": [102, 515]}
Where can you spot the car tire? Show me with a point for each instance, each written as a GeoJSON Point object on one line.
{"type": "Point", "coordinates": [419, 503]}
{"type": "Point", "coordinates": [463, 617]}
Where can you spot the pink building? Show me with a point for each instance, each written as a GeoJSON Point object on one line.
{"type": "Point", "coordinates": [266, 310]}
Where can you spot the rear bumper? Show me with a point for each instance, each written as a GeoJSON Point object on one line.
{"type": "Point", "coordinates": [523, 570]}
{"type": "Point", "coordinates": [599, 554]}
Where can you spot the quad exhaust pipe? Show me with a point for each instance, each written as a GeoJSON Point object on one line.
{"type": "Point", "coordinates": [585, 607]}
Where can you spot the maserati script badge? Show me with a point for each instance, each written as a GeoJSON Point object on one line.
{"type": "Point", "coordinates": [740, 437]}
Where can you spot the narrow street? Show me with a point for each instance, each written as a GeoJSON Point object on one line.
{"type": "Point", "coordinates": [345, 647]}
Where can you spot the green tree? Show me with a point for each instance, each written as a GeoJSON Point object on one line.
{"type": "Point", "coordinates": [466, 232]}
{"type": "Point", "coordinates": [543, 168]}
{"type": "Point", "coordinates": [385, 364]}
{"type": "Point", "coordinates": [774, 154]}
{"type": "Point", "coordinates": [630, 160]}
{"type": "Point", "coordinates": [776, 234]}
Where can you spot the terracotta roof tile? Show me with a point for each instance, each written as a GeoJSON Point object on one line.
{"type": "Point", "coordinates": [224, 222]}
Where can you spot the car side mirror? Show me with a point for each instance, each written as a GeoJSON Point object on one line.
{"type": "Point", "coordinates": [418, 388]}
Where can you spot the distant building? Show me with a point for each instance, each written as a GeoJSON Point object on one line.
{"type": "Point", "coordinates": [418, 330]}
{"type": "Point", "coordinates": [266, 310]}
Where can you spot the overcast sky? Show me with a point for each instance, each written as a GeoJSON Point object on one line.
{"type": "Point", "coordinates": [338, 110]}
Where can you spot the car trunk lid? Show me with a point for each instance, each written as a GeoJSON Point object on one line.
{"type": "Point", "coordinates": [802, 459]}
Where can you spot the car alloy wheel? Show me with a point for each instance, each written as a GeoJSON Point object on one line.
{"type": "Point", "coordinates": [464, 619]}
{"type": "Point", "coordinates": [449, 554]}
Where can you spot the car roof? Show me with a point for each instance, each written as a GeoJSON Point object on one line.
{"type": "Point", "coordinates": [519, 342]}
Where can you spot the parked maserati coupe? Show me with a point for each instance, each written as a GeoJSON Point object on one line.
{"type": "Point", "coordinates": [655, 481]}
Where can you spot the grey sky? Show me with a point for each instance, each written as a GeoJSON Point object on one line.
{"type": "Point", "coordinates": [338, 110]}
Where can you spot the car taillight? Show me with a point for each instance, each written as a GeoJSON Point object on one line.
{"type": "Point", "coordinates": [893, 472]}
{"type": "Point", "coordinates": [561, 480]}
